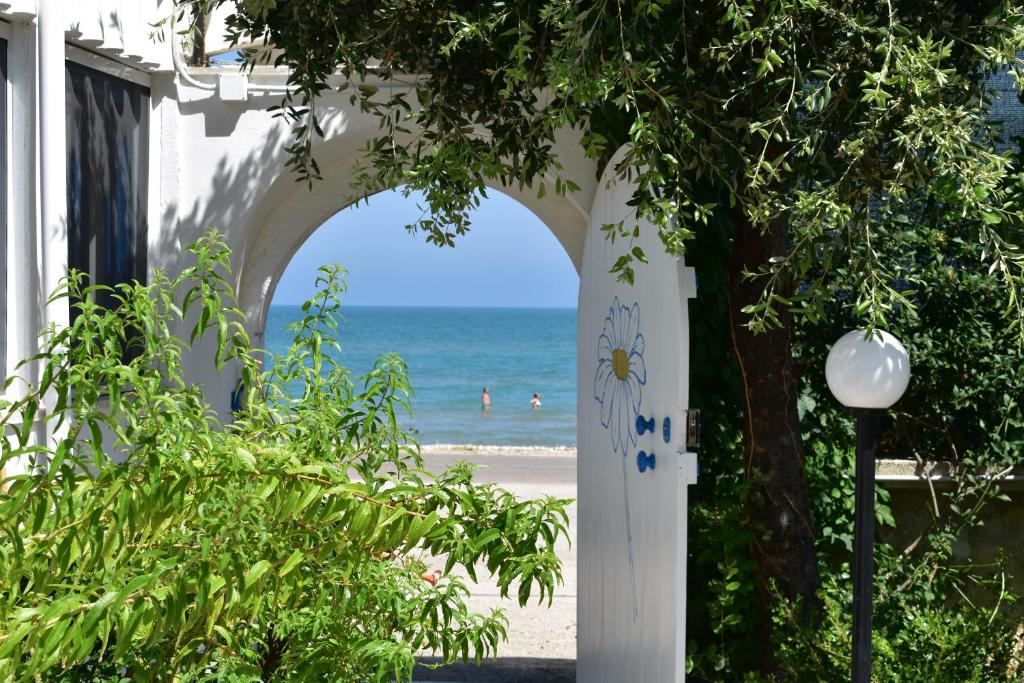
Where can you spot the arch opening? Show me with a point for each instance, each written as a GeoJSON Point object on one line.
{"type": "Point", "coordinates": [291, 212]}
{"type": "Point", "coordinates": [496, 311]}
{"type": "Point", "coordinates": [467, 330]}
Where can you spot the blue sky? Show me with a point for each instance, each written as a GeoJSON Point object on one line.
{"type": "Point", "coordinates": [509, 258]}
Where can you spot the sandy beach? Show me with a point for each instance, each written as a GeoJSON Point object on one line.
{"type": "Point", "coordinates": [541, 640]}
{"type": "Point", "coordinates": [468, 451]}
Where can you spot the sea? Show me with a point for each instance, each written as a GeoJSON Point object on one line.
{"type": "Point", "coordinates": [452, 354]}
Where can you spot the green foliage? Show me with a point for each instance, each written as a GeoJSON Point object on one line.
{"type": "Point", "coordinates": [937, 616]}
{"type": "Point", "coordinates": [722, 614]}
{"type": "Point", "coordinates": [148, 539]}
{"type": "Point", "coordinates": [858, 135]}
{"type": "Point", "coordinates": [915, 637]}
{"type": "Point", "coordinates": [822, 119]}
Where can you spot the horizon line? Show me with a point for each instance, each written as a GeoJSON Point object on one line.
{"type": "Point", "coordinates": [344, 306]}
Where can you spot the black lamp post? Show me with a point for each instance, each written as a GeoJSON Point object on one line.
{"type": "Point", "coordinates": [867, 374]}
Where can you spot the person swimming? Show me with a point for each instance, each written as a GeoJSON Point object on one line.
{"type": "Point", "coordinates": [535, 401]}
{"type": "Point", "coordinates": [485, 400]}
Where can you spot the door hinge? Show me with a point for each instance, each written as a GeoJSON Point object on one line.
{"type": "Point", "coordinates": [692, 430]}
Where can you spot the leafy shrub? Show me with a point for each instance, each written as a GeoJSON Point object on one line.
{"type": "Point", "coordinates": [151, 540]}
{"type": "Point", "coordinates": [924, 632]}
{"type": "Point", "coordinates": [936, 616]}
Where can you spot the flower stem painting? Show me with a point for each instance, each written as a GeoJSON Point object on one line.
{"type": "Point", "coordinates": [618, 387]}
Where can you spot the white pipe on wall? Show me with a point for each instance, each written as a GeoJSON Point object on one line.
{"type": "Point", "coordinates": [24, 308]}
{"type": "Point", "coordinates": [53, 211]}
{"type": "Point", "coordinates": [179, 61]}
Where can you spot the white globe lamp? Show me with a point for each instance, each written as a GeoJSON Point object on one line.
{"type": "Point", "coordinates": [867, 371]}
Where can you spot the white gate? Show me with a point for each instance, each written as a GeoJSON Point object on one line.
{"type": "Point", "coordinates": [633, 344]}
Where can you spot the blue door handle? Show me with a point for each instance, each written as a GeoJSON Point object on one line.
{"type": "Point", "coordinates": [644, 461]}
{"type": "Point", "coordinates": [643, 425]}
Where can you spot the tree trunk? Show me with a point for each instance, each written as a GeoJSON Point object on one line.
{"type": "Point", "coordinates": [202, 24]}
{"type": "Point", "coordinates": [777, 500]}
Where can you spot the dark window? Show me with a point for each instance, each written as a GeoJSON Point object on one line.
{"type": "Point", "coordinates": [108, 150]}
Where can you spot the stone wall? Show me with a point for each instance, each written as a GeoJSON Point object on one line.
{"type": "Point", "coordinates": [914, 505]}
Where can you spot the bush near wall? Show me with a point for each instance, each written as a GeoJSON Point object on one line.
{"type": "Point", "coordinates": [154, 542]}
{"type": "Point", "coordinates": [938, 616]}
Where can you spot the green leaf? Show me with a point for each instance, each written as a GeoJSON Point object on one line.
{"type": "Point", "coordinates": [256, 571]}
{"type": "Point", "coordinates": [292, 562]}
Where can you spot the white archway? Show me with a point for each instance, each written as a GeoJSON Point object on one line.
{"type": "Point", "coordinates": [225, 168]}
{"type": "Point", "coordinates": [300, 210]}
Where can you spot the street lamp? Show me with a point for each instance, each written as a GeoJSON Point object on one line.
{"type": "Point", "coordinates": [867, 374]}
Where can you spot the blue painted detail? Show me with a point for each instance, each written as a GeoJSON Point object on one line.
{"type": "Point", "coordinates": [621, 374]}
{"type": "Point", "coordinates": [236, 397]}
{"type": "Point", "coordinates": [666, 430]}
{"type": "Point", "coordinates": [644, 461]}
{"type": "Point", "coordinates": [643, 425]}
{"type": "Point", "coordinates": [618, 388]}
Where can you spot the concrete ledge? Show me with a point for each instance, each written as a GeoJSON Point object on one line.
{"type": "Point", "coordinates": [912, 474]}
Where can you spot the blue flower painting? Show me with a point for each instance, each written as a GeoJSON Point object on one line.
{"type": "Point", "coordinates": [618, 385]}
{"type": "Point", "coordinates": [621, 374]}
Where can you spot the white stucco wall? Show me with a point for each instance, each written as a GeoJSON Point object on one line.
{"type": "Point", "coordinates": [224, 168]}
{"type": "Point", "coordinates": [214, 163]}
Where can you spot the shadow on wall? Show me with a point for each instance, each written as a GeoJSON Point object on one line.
{"type": "Point", "coordinates": [229, 183]}
{"type": "Point", "coordinates": [231, 168]}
